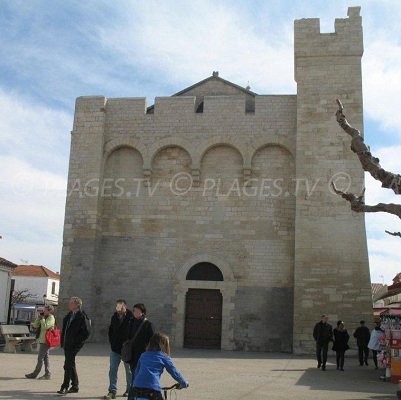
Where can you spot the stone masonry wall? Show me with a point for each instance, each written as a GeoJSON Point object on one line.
{"type": "Point", "coordinates": [143, 239]}
{"type": "Point", "coordinates": [331, 259]}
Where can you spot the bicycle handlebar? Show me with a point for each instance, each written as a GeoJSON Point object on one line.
{"type": "Point", "coordinates": [175, 386]}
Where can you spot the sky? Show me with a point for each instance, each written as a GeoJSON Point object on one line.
{"type": "Point", "coordinates": [54, 51]}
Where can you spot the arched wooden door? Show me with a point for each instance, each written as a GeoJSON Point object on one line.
{"type": "Point", "coordinates": [203, 316]}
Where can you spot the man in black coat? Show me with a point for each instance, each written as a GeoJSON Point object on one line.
{"type": "Point", "coordinates": [140, 331]}
{"type": "Point", "coordinates": [323, 335]}
{"type": "Point", "coordinates": [362, 336]}
{"type": "Point", "coordinates": [118, 334]}
{"type": "Point", "coordinates": [76, 329]}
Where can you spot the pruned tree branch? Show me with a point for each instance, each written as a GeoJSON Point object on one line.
{"type": "Point", "coordinates": [394, 233]}
{"type": "Point", "coordinates": [369, 163]}
{"type": "Point", "coordinates": [358, 203]}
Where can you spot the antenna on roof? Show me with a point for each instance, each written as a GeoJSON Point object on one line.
{"type": "Point", "coordinates": [247, 86]}
{"type": "Point", "coordinates": [23, 261]}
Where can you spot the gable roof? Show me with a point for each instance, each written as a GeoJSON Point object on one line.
{"type": "Point", "coordinates": [35, 271]}
{"type": "Point", "coordinates": [7, 263]}
{"type": "Point", "coordinates": [215, 77]}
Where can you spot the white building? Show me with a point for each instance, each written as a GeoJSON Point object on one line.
{"type": "Point", "coordinates": [40, 283]}
{"type": "Point", "coordinates": [6, 269]}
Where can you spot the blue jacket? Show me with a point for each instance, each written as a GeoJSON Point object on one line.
{"type": "Point", "coordinates": [150, 367]}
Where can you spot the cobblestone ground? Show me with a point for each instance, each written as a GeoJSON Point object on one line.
{"type": "Point", "coordinates": [211, 374]}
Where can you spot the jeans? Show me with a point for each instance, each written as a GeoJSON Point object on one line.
{"type": "Point", "coordinates": [70, 370]}
{"type": "Point", "coordinates": [363, 354]}
{"type": "Point", "coordinates": [115, 360]}
{"type": "Point", "coordinates": [43, 356]}
{"type": "Point", "coordinates": [322, 348]}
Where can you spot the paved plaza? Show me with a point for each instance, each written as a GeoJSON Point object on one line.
{"type": "Point", "coordinates": [212, 375]}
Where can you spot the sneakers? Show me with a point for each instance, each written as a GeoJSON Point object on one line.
{"type": "Point", "coordinates": [64, 390]}
{"type": "Point", "coordinates": [125, 394]}
{"type": "Point", "coordinates": [45, 377]}
{"type": "Point", "coordinates": [30, 376]}
{"type": "Point", "coordinates": [109, 396]}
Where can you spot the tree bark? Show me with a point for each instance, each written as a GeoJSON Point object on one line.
{"type": "Point", "coordinates": [369, 163]}
{"type": "Point", "coordinates": [372, 165]}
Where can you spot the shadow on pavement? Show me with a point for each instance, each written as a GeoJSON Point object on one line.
{"type": "Point", "coordinates": [29, 394]}
{"type": "Point", "coordinates": [233, 355]}
{"type": "Point", "coordinates": [352, 380]}
{"type": "Point", "coordinates": [103, 350]}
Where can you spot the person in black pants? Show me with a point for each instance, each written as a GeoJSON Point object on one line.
{"type": "Point", "coordinates": [76, 326]}
{"type": "Point", "coordinates": [323, 335]}
{"type": "Point", "coordinates": [362, 336]}
{"type": "Point", "coordinates": [140, 331]}
{"type": "Point", "coordinates": [341, 338]}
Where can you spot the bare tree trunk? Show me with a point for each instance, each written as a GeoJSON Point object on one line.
{"type": "Point", "coordinates": [370, 164]}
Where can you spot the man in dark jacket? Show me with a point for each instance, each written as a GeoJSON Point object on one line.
{"type": "Point", "coordinates": [118, 334]}
{"type": "Point", "coordinates": [323, 335]}
{"type": "Point", "coordinates": [362, 336]}
{"type": "Point", "coordinates": [76, 326]}
{"type": "Point", "coordinates": [140, 331]}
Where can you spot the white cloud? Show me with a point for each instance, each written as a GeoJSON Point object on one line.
{"type": "Point", "coordinates": [386, 267]}
{"type": "Point", "coordinates": [34, 132]}
{"type": "Point", "coordinates": [188, 42]}
{"type": "Point", "coordinates": [31, 212]}
{"type": "Point", "coordinates": [382, 83]}
{"type": "Point", "coordinates": [34, 143]}
{"type": "Point", "coordinates": [384, 258]}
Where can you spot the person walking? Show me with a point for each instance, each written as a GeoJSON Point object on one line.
{"type": "Point", "coordinates": [118, 334]}
{"type": "Point", "coordinates": [76, 330]}
{"type": "Point", "coordinates": [44, 321]}
{"type": "Point", "coordinates": [139, 332]}
{"type": "Point", "coordinates": [146, 383]}
{"type": "Point", "coordinates": [362, 336]}
{"type": "Point", "coordinates": [340, 346]}
{"type": "Point", "coordinates": [323, 335]}
{"type": "Point", "coordinates": [374, 342]}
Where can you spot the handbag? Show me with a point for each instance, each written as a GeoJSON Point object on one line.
{"type": "Point", "coordinates": [53, 337]}
{"type": "Point", "coordinates": [128, 346]}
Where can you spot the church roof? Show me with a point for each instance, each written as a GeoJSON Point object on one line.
{"type": "Point", "coordinates": [213, 78]}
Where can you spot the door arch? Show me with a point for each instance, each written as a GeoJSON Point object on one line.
{"type": "Point", "coordinates": [204, 271]}
{"type": "Point", "coordinates": [226, 287]}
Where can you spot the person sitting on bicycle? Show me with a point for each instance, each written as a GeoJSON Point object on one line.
{"type": "Point", "coordinates": [151, 364]}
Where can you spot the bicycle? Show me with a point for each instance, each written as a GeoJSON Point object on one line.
{"type": "Point", "coordinates": [165, 390]}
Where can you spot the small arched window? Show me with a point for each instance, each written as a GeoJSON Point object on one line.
{"type": "Point", "coordinates": [204, 271]}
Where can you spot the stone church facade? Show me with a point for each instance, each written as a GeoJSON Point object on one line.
{"type": "Point", "coordinates": [213, 206]}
